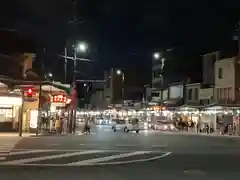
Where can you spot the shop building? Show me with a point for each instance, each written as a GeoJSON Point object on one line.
{"type": "Point", "coordinates": [52, 105]}
{"type": "Point", "coordinates": [192, 94]}
{"type": "Point", "coordinates": [175, 94]}
{"type": "Point", "coordinates": [206, 96]}
{"type": "Point", "coordinates": [10, 103]}
{"type": "Point", "coordinates": [16, 100]}
{"type": "Point", "coordinates": [227, 82]}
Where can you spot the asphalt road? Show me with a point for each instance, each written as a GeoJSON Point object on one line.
{"type": "Point", "coordinates": [107, 155]}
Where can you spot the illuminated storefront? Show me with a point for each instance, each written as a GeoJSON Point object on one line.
{"type": "Point", "coordinates": [9, 112]}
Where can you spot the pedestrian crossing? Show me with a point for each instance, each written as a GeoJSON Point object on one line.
{"type": "Point", "coordinates": [80, 133]}
{"type": "Point", "coordinates": [6, 145]}
{"type": "Point", "coordinates": [48, 157]}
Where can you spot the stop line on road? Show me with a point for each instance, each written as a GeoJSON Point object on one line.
{"type": "Point", "coordinates": [79, 158]}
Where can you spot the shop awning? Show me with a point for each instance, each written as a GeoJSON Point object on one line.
{"type": "Point", "coordinates": [65, 87]}
{"type": "Point", "coordinates": [67, 90]}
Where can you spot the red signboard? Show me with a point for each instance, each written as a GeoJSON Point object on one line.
{"type": "Point", "coordinates": [58, 99]}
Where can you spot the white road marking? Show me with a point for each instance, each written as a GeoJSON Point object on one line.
{"type": "Point", "coordinates": [29, 160]}
{"type": "Point", "coordinates": [95, 164]}
{"type": "Point", "coordinates": [107, 158]}
{"type": "Point", "coordinates": [89, 145]}
{"type": "Point", "coordinates": [21, 151]}
{"type": "Point", "coordinates": [125, 145]}
{"type": "Point", "coordinates": [100, 164]}
{"type": "Point", "coordinates": [57, 150]}
{"type": "Point", "coordinates": [54, 144]}
{"type": "Point", "coordinates": [81, 134]}
{"type": "Point", "coordinates": [30, 152]}
{"type": "Point", "coordinates": [135, 161]}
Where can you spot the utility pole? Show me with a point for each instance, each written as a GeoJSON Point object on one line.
{"type": "Point", "coordinates": [39, 108]}
{"type": "Point", "coordinates": [65, 64]}
{"type": "Point", "coordinates": [21, 114]}
{"type": "Point", "coordinates": [74, 68]}
{"type": "Point", "coordinates": [72, 118]}
{"type": "Point", "coordinates": [74, 86]}
{"type": "Point", "coordinates": [73, 109]}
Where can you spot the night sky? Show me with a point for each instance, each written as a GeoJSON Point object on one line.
{"type": "Point", "coordinates": [123, 33]}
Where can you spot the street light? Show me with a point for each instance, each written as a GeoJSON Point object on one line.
{"type": "Point", "coordinates": [81, 47]}
{"type": "Point", "coordinates": [156, 55]}
{"type": "Point", "coordinates": [48, 76]}
{"type": "Point", "coordinates": [119, 72]}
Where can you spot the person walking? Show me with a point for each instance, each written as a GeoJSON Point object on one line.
{"type": "Point", "coordinates": [89, 126]}
{"type": "Point", "coordinates": [85, 125]}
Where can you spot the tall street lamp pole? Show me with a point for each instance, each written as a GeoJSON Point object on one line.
{"type": "Point", "coordinates": [121, 73]}
{"type": "Point", "coordinates": [80, 47]}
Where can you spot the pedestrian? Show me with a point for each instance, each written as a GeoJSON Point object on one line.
{"type": "Point", "coordinates": [85, 126]}
{"type": "Point", "coordinates": [88, 126]}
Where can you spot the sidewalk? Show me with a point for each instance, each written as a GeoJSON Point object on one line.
{"type": "Point", "coordinates": [13, 134]}
{"type": "Point", "coordinates": [215, 134]}
{"type": "Point", "coordinates": [30, 134]}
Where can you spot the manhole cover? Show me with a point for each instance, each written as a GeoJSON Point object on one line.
{"type": "Point", "coordinates": [194, 172]}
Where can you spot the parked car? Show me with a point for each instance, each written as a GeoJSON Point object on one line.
{"type": "Point", "coordinates": [128, 125]}
{"type": "Point", "coordinates": [164, 126]}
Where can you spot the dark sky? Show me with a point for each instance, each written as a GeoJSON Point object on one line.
{"type": "Point", "coordinates": [122, 33]}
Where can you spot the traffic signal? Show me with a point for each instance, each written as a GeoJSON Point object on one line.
{"type": "Point", "coordinates": [29, 92]}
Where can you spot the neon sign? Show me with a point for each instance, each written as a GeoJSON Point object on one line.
{"type": "Point", "coordinates": [58, 99]}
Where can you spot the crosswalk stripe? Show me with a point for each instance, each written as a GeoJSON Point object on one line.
{"type": "Point", "coordinates": [107, 158]}
{"type": "Point", "coordinates": [29, 160]}
{"type": "Point", "coordinates": [30, 152]}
